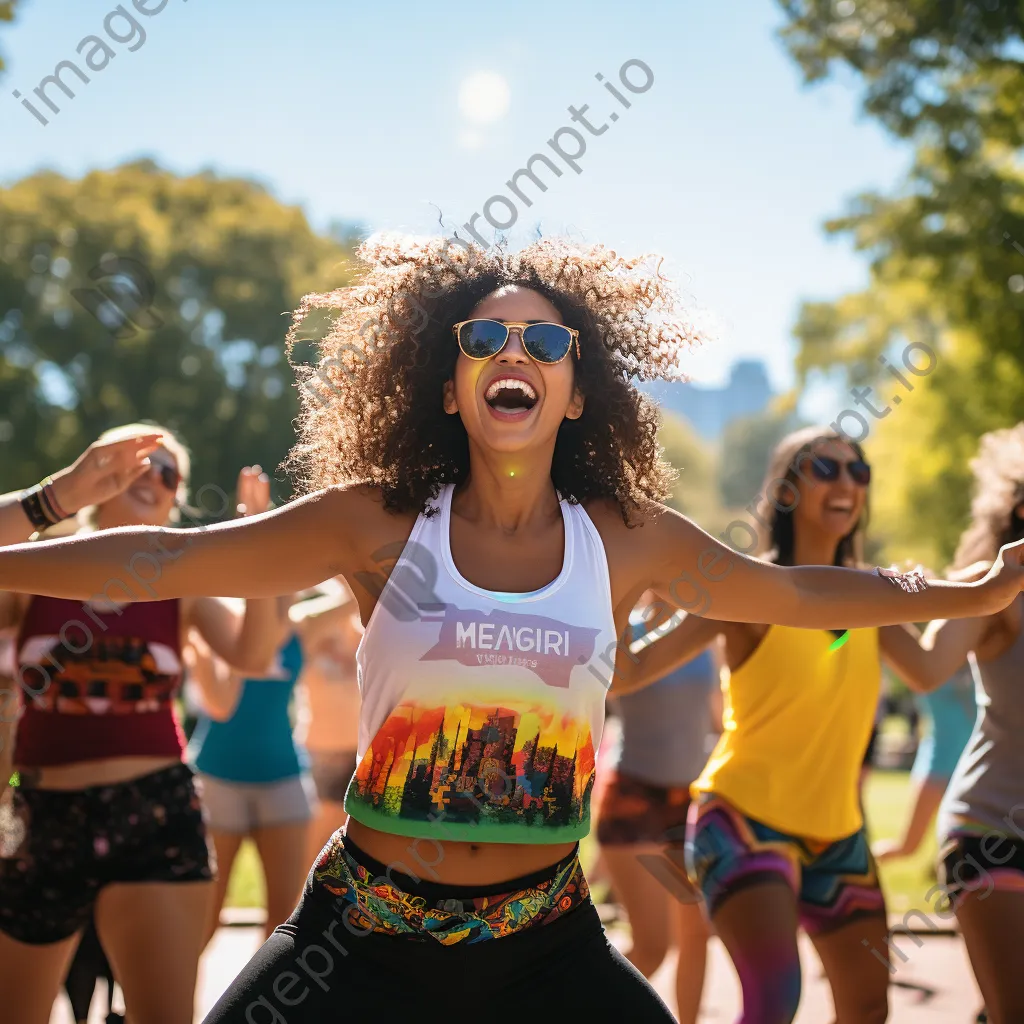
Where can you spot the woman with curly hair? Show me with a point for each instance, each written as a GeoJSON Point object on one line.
{"type": "Point", "coordinates": [981, 818]}
{"type": "Point", "coordinates": [484, 443]}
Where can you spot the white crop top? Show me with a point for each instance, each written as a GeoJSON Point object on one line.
{"type": "Point", "coordinates": [481, 711]}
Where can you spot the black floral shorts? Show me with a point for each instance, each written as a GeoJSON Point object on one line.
{"type": "Point", "coordinates": [63, 846]}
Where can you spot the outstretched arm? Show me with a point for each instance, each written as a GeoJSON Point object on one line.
{"type": "Point", "coordinates": [706, 578]}
{"type": "Point", "coordinates": [925, 663]}
{"type": "Point", "coordinates": [651, 659]}
{"type": "Point", "coordinates": [245, 638]}
{"type": "Point", "coordinates": [282, 551]}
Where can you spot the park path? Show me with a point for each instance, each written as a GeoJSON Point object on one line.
{"type": "Point", "coordinates": [940, 965]}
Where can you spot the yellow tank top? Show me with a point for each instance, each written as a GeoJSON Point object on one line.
{"type": "Point", "coordinates": [796, 725]}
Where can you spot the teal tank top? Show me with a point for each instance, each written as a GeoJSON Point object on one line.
{"type": "Point", "coordinates": [255, 745]}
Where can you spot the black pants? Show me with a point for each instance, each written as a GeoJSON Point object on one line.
{"type": "Point", "coordinates": [312, 970]}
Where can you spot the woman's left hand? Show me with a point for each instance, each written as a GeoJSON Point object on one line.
{"type": "Point", "coordinates": [253, 491]}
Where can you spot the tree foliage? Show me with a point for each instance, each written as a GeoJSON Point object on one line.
{"type": "Point", "coordinates": [694, 493]}
{"type": "Point", "coordinates": [747, 444]}
{"type": "Point", "coordinates": [136, 294]}
{"type": "Point", "coordinates": [946, 247]}
{"type": "Point", "coordinates": [930, 67]}
{"type": "Point", "coordinates": [6, 14]}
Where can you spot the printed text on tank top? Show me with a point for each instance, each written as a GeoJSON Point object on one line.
{"type": "Point", "coordinates": [479, 719]}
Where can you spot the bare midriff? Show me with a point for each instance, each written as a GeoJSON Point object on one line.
{"type": "Point", "coordinates": [83, 774]}
{"type": "Point", "coordinates": [453, 863]}
{"type": "Point", "coordinates": [333, 709]}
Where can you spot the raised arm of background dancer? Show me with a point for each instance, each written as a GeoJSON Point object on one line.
{"type": "Point", "coordinates": [705, 577]}
{"type": "Point", "coordinates": [653, 659]}
{"type": "Point", "coordinates": [246, 640]}
{"type": "Point", "coordinates": [282, 551]}
{"type": "Point", "coordinates": [218, 687]}
{"type": "Point", "coordinates": [99, 473]}
{"type": "Point", "coordinates": [318, 618]}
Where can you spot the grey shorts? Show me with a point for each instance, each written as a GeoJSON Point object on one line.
{"type": "Point", "coordinates": [241, 807]}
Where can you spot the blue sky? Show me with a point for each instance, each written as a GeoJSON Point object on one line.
{"type": "Point", "coordinates": [726, 165]}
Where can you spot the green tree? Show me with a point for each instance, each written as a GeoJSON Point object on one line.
{"type": "Point", "coordinates": [747, 444]}
{"type": "Point", "coordinates": [928, 66]}
{"type": "Point", "coordinates": [694, 493]}
{"type": "Point", "coordinates": [946, 247]}
{"type": "Point", "coordinates": [135, 294]}
{"type": "Point", "coordinates": [6, 14]}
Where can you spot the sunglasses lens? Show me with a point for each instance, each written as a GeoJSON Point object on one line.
{"type": "Point", "coordinates": [824, 468]}
{"type": "Point", "coordinates": [169, 476]}
{"type": "Point", "coordinates": [547, 343]}
{"type": "Point", "coordinates": [860, 471]}
{"type": "Point", "coordinates": [481, 339]}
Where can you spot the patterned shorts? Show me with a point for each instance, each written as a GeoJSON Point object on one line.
{"type": "Point", "coordinates": [980, 861]}
{"type": "Point", "coordinates": [367, 895]}
{"type": "Point", "coordinates": [833, 882]}
{"type": "Point", "coordinates": [64, 846]}
{"type": "Point", "coordinates": [634, 813]}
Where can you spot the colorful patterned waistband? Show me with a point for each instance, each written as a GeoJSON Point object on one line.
{"type": "Point", "coordinates": [376, 904]}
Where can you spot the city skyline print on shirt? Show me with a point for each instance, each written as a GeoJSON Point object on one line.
{"type": "Point", "coordinates": [469, 769]}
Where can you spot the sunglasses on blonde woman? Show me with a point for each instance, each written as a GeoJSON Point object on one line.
{"type": "Point", "coordinates": [169, 475]}
{"type": "Point", "coordinates": [544, 342]}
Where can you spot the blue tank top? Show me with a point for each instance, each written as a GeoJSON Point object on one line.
{"type": "Point", "coordinates": [952, 709]}
{"type": "Point", "coordinates": [255, 745]}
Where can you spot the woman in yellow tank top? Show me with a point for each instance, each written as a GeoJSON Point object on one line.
{"type": "Point", "coordinates": [776, 838]}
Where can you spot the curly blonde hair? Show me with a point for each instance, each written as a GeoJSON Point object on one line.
{"type": "Point", "coordinates": [998, 490]}
{"type": "Point", "coordinates": [372, 403]}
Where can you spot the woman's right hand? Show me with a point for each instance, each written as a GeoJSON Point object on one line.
{"type": "Point", "coordinates": [103, 471]}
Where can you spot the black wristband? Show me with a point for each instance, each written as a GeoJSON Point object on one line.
{"type": "Point", "coordinates": [32, 504]}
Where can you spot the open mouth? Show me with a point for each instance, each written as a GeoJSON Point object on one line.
{"type": "Point", "coordinates": [844, 507]}
{"type": "Point", "coordinates": [144, 494]}
{"type": "Point", "coordinates": [511, 397]}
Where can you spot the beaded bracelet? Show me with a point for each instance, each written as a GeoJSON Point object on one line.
{"type": "Point", "coordinates": [50, 493]}
{"type": "Point", "coordinates": [911, 582]}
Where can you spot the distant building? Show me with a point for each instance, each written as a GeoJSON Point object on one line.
{"type": "Point", "coordinates": [710, 410]}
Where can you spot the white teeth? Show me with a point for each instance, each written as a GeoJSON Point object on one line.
{"type": "Point", "coordinates": [510, 383]}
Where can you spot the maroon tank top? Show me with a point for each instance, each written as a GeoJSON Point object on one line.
{"type": "Point", "coordinates": [97, 684]}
